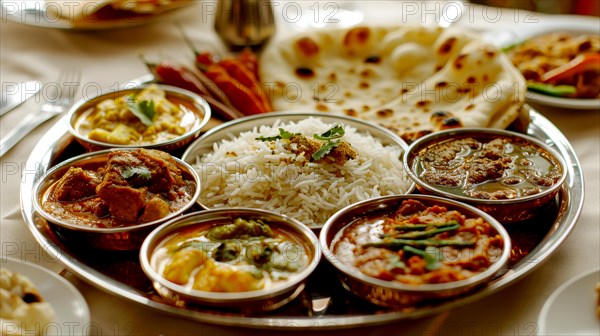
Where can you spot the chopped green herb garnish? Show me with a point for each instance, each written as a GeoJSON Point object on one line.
{"type": "Point", "coordinates": [511, 46]}
{"type": "Point", "coordinates": [325, 149]}
{"type": "Point", "coordinates": [426, 233]}
{"type": "Point", "coordinates": [397, 244]}
{"type": "Point", "coordinates": [417, 227]}
{"type": "Point", "coordinates": [283, 134]}
{"type": "Point", "coordinates": [226, 251]}
{"type": "Point", "coordinates": [431, 263]}
{"type": "Point", "coordinates": [335, 132]}
{"type": "Point", "coordinates": [142, 172]}
{"type": "Point", "coordinates": [145, 110]}
{"type": "Point", "coordinates": [329, 137]}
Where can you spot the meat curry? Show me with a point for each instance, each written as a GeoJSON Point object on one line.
{"type": "Point", "coordinates": [488, 168]}
{"type": "Point", "coordinates": [131, 187]}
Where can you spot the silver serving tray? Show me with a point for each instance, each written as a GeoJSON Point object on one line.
{"type": "Point", "coordinates": [117, 274]}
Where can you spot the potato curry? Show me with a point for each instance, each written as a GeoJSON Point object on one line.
{"type": "Point", "coordinates": [146, 118]}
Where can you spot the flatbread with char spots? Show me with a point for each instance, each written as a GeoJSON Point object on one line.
{"type": "Point", "coordinates": [411, 79]}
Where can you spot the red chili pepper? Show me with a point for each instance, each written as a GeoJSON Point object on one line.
{"type": "Point", "coordinates": [238, 70]}
{"type": "Point", "coordinates": [180, 77]}
{"type": "Point", "coordinates": [249, 59]}
{"type": "Point", "coordinates": [183, 78]}
{"type": "Point", "coordinates": [204, 59]}
{"type": "Point", "coordinates": [241, 97]}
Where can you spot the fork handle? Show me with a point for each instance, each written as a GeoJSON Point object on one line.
{"type": "Point", "coordinates": [28, 124]}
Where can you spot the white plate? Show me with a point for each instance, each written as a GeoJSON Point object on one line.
{"type": "Point", "coordinates": [39, 13]}
{"type": "Point", "coordinates": [567, 103]}
{"type": "Point", "coordinates": [571, 309]}
{"type": "Point", "coordinates": [72, 312]}
{"type": "Point", "coordinates": [567, 24]}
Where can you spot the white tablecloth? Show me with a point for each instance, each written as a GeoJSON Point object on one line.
{"type": "Point", "coordinates": [107, 58]}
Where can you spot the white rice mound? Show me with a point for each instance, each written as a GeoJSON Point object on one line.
{"type": "Point", "coordinates": [245, 172]}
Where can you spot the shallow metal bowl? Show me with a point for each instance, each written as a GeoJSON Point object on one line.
{"type": "Point", "coordinates": [185, 98]}
{"type": "Point", "coordinates": [395, 294]}
{"type": "Point", "coordinates": [205, 144]}
{"type": "Point", "coordinates": [505, 211]}
{"type": "Point", "coordinates": [117, 238]}
{"type": "Point", "coordinates": [250, 301]}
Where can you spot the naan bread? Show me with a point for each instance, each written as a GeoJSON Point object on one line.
{"type": "Point", "coordinates": [411, 79]}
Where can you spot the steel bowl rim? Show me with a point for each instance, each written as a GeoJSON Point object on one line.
{"type": "Point", "coordinates": [287, 114]}
{"type": "Point", "coordinates": [355, 274]}
{"type": "Point", "coordinates": [72, 114]}
{"type": "Point", "coordinates": [433, 138]}
{"type": "Point", "coordinates": [165, 229]}
{"type": "Point", "coordinates": [95, 230]}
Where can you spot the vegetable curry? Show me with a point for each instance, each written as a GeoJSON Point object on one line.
{"type": "Point", "coordinates": [419, 244]}
{"type": "Point", "coordinates": [240, 256]}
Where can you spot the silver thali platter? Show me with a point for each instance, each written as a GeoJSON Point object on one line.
{"type": "Point", "coordinates": [56, 144]}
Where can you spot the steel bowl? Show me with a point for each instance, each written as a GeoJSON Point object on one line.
{"type": "Point", "coordinates": [249, 301]}
{"type": "Point", "coordinates": [184, 98]}
{"type": "Point", "coordinates": [118, 238]}
{"type": "Point", "coordinates": [506, 211]}
{"type": "Point", "coordinates": [395, 294]}
{"type": "Point", "coordinates": [205, 143]}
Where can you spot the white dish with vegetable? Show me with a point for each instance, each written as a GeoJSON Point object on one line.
{"type": "Point", "coordinates": [561, 64]}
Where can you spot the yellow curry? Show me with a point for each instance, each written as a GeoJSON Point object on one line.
{"type": "Point", "coordinates": [244, 255]}
{"type": "Point", "coordinates": [146, 118]}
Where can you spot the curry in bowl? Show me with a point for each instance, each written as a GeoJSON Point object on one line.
{"type": "Point", "coordinates": [151, 116]}
{"type": "Point", "coordinates": [118, 189]}
{"type": "Point", "coordinates": [488, 167]}
{"type": "Point", "coordinates": [237, 258]}
{"type": "Point", "coordinates": [244, 255]}
{"type": "Point", "coordinates": [506, 174]}
{"type": "Point", "coordinates": [405, 250]}
{"type": "Point", "coordinates": [419, 244]}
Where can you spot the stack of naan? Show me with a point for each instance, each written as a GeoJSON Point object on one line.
{"type": "Point", "coordinates": [412, 79]}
